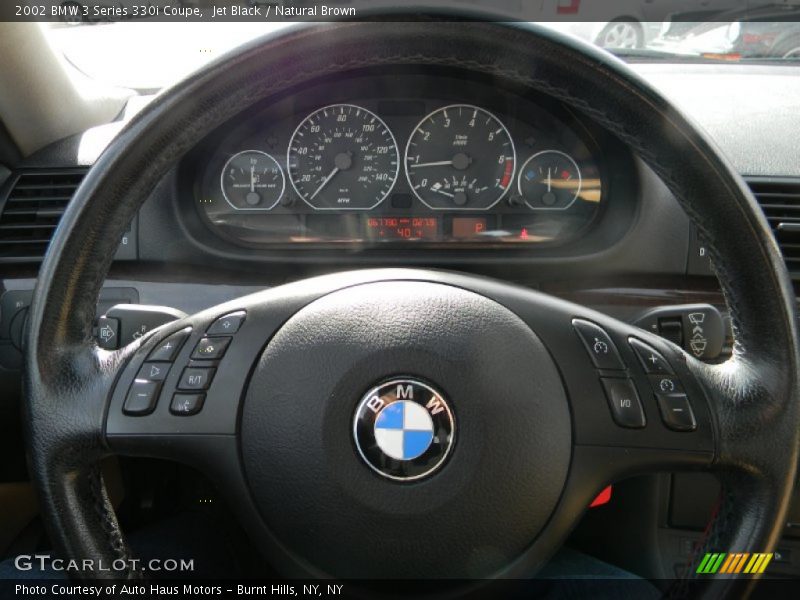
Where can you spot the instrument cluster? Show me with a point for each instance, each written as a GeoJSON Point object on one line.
{"type": "Point", "coordinates": [401, 160]}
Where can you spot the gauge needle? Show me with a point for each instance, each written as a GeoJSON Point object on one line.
{"type": "Point", "coordinates": [443, 193]}
{"type": "Point", "coordinates": [252, 178]}
{"type": "Point", "coordinates": [549, 179]}
{"type": "Point", "coordinates": [325, 182]}
{"type": "Point", "coordinates": [438, 163]}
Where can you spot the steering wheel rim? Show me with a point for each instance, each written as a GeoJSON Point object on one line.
{"type": "Point", "coordinates": [752, 398]}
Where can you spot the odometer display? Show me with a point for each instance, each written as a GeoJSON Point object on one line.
{"type": "Point", "coordinates": [460, 157]}
{"type": "Point", "coordinates": [402, 228]}
{"type": "Point", "coordinates": [343, 157]}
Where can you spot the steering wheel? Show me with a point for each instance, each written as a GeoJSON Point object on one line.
{"type": "Point", "coordinates": [517, 434]}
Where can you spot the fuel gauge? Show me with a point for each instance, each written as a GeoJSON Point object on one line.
{"type": "Point", "coordinates": [549, 180]}
{"type": "Point", "coordinates": [252, 180]}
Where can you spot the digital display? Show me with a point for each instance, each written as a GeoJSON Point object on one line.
{"type": "Point", "coordinates": [403, 228]}
{"type": "Point", "coordinates": [469, 227]}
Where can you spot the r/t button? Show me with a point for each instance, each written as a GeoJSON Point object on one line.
{"type": "Point", "coordinates": [196, 378]}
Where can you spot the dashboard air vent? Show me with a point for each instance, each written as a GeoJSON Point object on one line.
{"type": "Point", "coordinates": [34, 205]}
{"type": "Point", "coordinates": [780, 201]}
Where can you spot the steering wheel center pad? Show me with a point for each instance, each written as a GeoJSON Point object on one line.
{"type": "Point", "coordinates": [512, 444]}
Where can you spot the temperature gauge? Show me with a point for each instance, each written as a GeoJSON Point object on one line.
{"type": "Point", "coordinates": [549, 180]}
{"type": "Point", "coordinates": [252, 180]}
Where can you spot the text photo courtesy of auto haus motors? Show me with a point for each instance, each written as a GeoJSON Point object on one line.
{"type": "Point", "coordinates": [385, 299]}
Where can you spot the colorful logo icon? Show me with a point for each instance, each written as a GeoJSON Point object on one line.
{"type": "Point", "coordinates": [733, 563]}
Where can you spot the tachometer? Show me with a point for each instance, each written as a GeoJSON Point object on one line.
{"type": "Point", "coordinates": [460, 157]}
{"type": "Point", "coordinates": [343, 157]}
{"type": "Point", "coordinates": [252, 180]}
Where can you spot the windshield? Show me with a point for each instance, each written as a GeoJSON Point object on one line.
{"type": "Point", "coordinates": [146, 55]}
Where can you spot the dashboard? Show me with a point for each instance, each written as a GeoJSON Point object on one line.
{"type": "Point", "coordinates": [403, 159]}
{"type": "Point", "coordinates": [627, 252]}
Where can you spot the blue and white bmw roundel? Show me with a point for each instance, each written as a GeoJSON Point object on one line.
{"type": "Point", "coordinates": [404, 429]}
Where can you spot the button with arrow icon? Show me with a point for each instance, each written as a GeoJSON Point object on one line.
{"type": "Point", "coordinates": [228, 324]}
{"type": "Point", "coordinates": [154, 371]}
{"type": "Point", "coordinates": [108, 333]}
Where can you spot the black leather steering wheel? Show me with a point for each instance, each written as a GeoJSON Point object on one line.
{"type": "Point", "coordinates": [535, 439]}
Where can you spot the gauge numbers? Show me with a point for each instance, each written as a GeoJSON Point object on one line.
{"type": "Point", "coordinates": [343, 157]}
{"type": "Point", "coordinates": [460, 157]}
{"type": "Point", "coordinates": [252, 180]}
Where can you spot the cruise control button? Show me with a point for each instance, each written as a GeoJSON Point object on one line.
{"type": "Point", "coordinates": [666, 384]}
{"type": "Point", "coordinates": [227, 324]}
{"type": "Point", "coordinates": [211, 348]}
{"type": "Point", "coordinates": [626, 409]}
{"type": "Point", "coordinates": [185, 405]}
{"type": "Point", "coordinates": [652, 360]}
{"type": "Point", "coordinates": [196, 378]}
{"type": "Point", "coordinates": [168, 349]}
{"type": "Point", "coordinates": [142, 397]}
{"type": "Point", "coordinates": [676, 412]}
{"type": "Point", "coordinates": [598, 344]}
{"type": "Point", "coordinates": [154, 371]}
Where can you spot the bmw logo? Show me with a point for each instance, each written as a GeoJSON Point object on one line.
{"type": "Point", "coordinates": [404, 429]}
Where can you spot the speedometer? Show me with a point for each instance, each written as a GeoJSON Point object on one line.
{"type": "Point", "coordinates": [343, 157]}
{"type": "Point", "coordinates": [460, 157]}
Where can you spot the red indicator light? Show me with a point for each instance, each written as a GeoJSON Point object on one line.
{"type": "Point", "coordinates": [568, 7]}
{"type": "Point", "coordinates": [523, 235]}
{"type": "Point", "coordinates": [603, 497]}
{"type": "Point", "coordinates": [507, 174]}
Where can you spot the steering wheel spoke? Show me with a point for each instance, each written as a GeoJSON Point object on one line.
{"type": "Point", "coordinates": [179, 392]}
{"type": "Point", "coordinates": [636, 400]}
{"type": "Point", "coordinates": [637, 405]}
{"type": "Point", "coordinates": [178, 385]}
